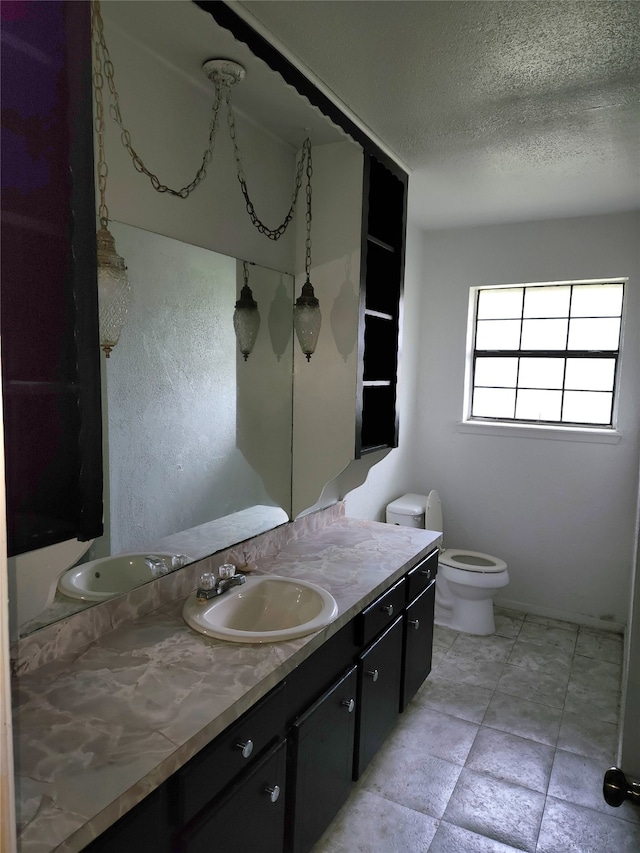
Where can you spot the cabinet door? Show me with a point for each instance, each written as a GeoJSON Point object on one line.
{"type": "Point", "coordinates": [322, 762]}
{"type": "Point", "coordinates": [418, 643]}
{"type": "Point", "coordinates": [144, 829]}
{"type": "Point", "coordinates": [250, 817]}
{"type": "Point", "coordinates": [379, 675]}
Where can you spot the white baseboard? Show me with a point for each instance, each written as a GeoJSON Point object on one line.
{"type": "Point", "coordinates": [562, 615]}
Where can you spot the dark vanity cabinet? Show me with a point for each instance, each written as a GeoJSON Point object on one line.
{"type": "Point", "coordinates": [381, 283]}
{"type": "Point", "coordinates": [49, 323]}
{"type": "Point", "coordinates": [274, 780]}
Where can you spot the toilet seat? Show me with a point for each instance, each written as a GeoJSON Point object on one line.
{"type": "Point", "coordinates": [471, 561]}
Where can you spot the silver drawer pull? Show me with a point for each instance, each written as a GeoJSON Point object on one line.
{"type": "Point", "coordinates": [349, 704]}
{"type": "Point", "coordinates": [373, 673]}
{"type": "Point", "coordinates": [246, 748]}
{"type": "Point", "coordinates": [415, 623]}
{"type": "Point", "coordinates": [425, 572]}
{"type": "Point", "coordinates": [274, 793]}
{"type": "Point", "coordinates": [388, 609]}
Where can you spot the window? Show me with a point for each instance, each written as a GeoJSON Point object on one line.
{"type": "Point", "coordinates": [545, 353]}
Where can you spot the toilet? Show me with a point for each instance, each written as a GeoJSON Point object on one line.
{"type": "Point", "coordinates": [466, 580]}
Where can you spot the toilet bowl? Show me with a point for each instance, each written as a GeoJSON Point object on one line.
{"type": "Point", "coordinates": [466, 580]}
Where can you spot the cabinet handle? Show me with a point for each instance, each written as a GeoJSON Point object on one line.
{"type": "Point", "coordinates": [425, 572]}
{"type": "Point", "coordinates": [375, 675]}
{"type": "Point", "coordinates": [274, 793]}
{"type": "Point", "coordinates": [349, 704]}
{"type": "Point", "coordinates": [415, 623]}
{"type": "Point", "coordinates": [246, 748]}
{"type": "Point", "coordinates": [388, 609]}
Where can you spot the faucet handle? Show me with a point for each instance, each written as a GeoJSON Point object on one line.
{"type": "Point", "coordinates": [226, 570]}
{"type": "Point", "coordinates": [207, 581]}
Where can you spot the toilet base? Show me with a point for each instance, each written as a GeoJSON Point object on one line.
{"type": "Point", "coordinates": [473, 617]}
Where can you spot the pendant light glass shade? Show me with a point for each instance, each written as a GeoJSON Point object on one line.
{"type": "Point", "coordinates": [114, 291]}
{"type": "Point", "coordinates": [246, 321]}
{"type": "Point", "coordinates": [307, 319]}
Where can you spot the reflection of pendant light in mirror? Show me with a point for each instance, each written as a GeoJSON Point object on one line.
{"type": "Point", "coordinates": [246, 317]}
{"type": "Point", "coordinates": [114, 290]}
{"type": "Point", "coordinates": [306, 313]}
{"type": "Point", "coordinates": [307, 319]}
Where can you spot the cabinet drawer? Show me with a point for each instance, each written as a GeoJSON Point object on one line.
{"type": "Point", "coordinates": [419, 578]}
{"type": "Point", "coordinates": [236, 748]}
{"type": "Point", "coordinates": [381, 612]}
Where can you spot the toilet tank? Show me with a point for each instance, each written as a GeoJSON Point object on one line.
{"type": "Point", "coordinates": [407, 511]}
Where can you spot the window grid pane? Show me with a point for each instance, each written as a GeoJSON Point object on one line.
{"type": "Point", "coordinates": [546, 362]}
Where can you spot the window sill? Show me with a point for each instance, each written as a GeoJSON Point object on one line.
{"type": "Point", "coordinates": [596, 436]}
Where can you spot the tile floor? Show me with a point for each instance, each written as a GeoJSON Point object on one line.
{"type": "Point", "coordinates": [504, 748]}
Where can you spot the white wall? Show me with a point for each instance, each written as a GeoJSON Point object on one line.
{"type": "Point", "coordinates": [561, 513]}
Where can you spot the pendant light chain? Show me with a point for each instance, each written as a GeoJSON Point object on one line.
{"type": "Point", "coordinates": [98, 83]}
{"type": "Point", "coordinates": [307, 242]}
{"type": "Point", "coordinates": [103, 69]}
{"type": "Point", "coordinates": [125, 136]}
{"type": "Point", "coordinates": [271, 233]}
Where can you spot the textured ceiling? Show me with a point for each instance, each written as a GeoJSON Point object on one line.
{"type": "Point", "coordinates": [503, 111]}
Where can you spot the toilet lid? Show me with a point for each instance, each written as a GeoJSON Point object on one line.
{"type": "Point", "coordinates": [471, 561]}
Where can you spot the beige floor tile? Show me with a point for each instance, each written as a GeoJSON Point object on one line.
{"type": "Point", "coordinates": [466, 701]}
{"type": "Point", "coordinates": [500, 810]}
{"type": "Point", "coordinates": [511, 759]}
{"type": "Point", "coordinates": [567, 828]}
{"type": "Point", "coordinates": [368, 823]}
{"type": "Point", "coordinates": [524, 718]}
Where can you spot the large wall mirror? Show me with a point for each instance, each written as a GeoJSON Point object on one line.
{"type": "Point", "coordinates": [194, 433]}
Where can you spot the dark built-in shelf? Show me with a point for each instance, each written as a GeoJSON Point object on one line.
{"type": "Point", "coordinates": [381, 282]}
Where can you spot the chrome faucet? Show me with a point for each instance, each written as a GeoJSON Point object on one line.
{"type": "Point", "coordinates": [158, 565]}
{"type": "Point", "coordinates": [161, 565]}
{"type": "Point", "coordinates": [209, 586]}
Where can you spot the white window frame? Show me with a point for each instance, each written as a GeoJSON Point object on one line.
{"type": "Point", "coordinates": [558, 431]}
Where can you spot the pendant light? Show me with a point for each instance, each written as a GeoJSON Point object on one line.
{"type": "Point", "coordinates": [246, 317]}
{"type": "Point", "coordinates": [307, 318]}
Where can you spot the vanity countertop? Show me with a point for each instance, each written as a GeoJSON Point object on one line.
{"type": "Point", "coordinates": [95, 734]}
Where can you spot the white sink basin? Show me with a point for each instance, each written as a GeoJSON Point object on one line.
{"type": "Point", "coordinates": [265, 609]}
{"type": "Point", "coordinates": [109, 576]}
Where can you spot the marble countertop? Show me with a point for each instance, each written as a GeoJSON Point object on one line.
{"type": "Point", "coordinates": [94, 735]}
